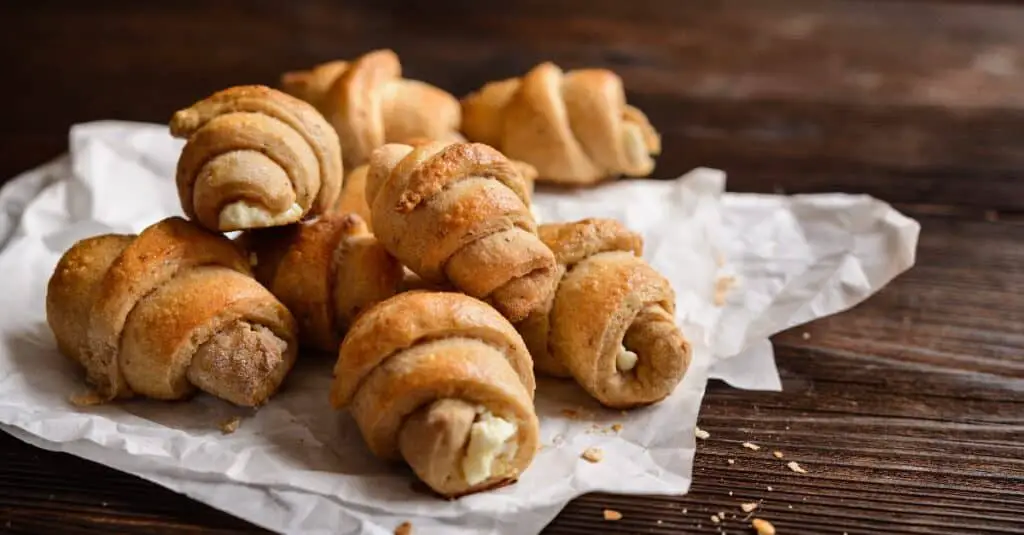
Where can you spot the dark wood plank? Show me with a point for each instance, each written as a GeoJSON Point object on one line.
{"type": "Point", "coordinates": [909, 101]}
{"type": "Point", "coordinates": [907, 412]}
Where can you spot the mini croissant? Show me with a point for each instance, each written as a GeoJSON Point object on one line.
{"type": "Point", "coordinates": [326, 271]}
{"type": "Point", "coordinates": [574, 127]}
{"type": "Point", "coordinates": [370, 104]}
{"type": "Point", "coordinates": [444, 382]}
{"type": "Point", "coordinates": [166, 312]}
{"type": "Point", "coordinates": [610, 324]}
{"type": "Point", "coordinates": [255, 157]}
{"type": "Point", "coordinates": [460, 213]}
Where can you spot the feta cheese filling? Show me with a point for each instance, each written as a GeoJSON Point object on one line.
{"type": "Point", "coordinates": [625, 360]}
{"type": "Point", "coordinates": [489, 448]}
{"type": "Point", "coordinates": [242, 215]}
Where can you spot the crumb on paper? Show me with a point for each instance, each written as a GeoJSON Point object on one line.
{"type": "Point", "coordinates": [723, 285]}
{"type": "Point", "coordinates": [571, 413]}
{"type": "Point", "coordinates": [405, 528]}
{"type": "Point", "coordinates": [778, 454]}
{"type": "Point", "coordinates": [592, 455]}
{"type": "Point", "coordinates": [796, 467]}
{"type": "Point", "coordinates": [715, 519]}
{"type": "Point", "coordinates": [701, 434]}
{"type": "Point", "coordinates": [230, 425]}
{"type": "Point", "coordinates": [616, 427]}
{"type": "Point", "coordinates": [624, 413]}
{"type": "Point", "coordinates": [610, 514]}
{"type": "Point", "coordinates": [751, 446]}
{"type": "Point", "coordinates": [87, 399]}
{"type": "Point", "coordinates": [748, 507]}
{"type": "Point", "coordinates": [806, 335]}
{"type": "Point", "coordinates": [731, 461]}
{"type": "Point", "coordinates": [719, 258]}
{"type": "Point", "coordinates": [763, 527]}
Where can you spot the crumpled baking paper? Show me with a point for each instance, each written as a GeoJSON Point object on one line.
{"type": "Point", "coordinates": [743, 267]}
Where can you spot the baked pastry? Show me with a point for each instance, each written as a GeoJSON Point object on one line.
{"type": "Point", "coordinates": [444, 382]}
{"type": "Point", "coordinates": [166, 312]}
{"type": "Point", "coordinates": [325, 270]}
{"type": "Point", "coordinates": [370, 104]}
{"type": "Point", "coordinates": [574, 127]}
{"type": "Point", "coordinates": [255, 157]}
{"type": "Point", "coordinates": [353, 195]}
{"type": "Point", "coordinates": [610, 324]}
{"type": "Point", "coordinates": [459, 213]}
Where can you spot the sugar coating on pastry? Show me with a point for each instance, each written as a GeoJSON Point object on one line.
{"type": "Point", "coordinates": [490, 447]}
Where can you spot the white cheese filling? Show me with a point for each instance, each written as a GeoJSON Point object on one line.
{"type": "Point", "coordinates": [625, 360]}
{"type": "Point", "coordinates": [489, 447]}
{"type": "Point", "coordinates": [242, 215]}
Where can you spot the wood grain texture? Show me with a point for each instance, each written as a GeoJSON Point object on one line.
{"type": "Point", "coordinates": [907, 412]}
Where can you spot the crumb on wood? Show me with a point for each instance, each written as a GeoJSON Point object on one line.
{"type": "Point", "coordinates": [763, 527]}
{"type": "Point", "coordinates": [405, 528]}
{"type": "Point", "coordinates": [796, 467]}
{"type": "Point", "coordinates": [723, 285]}
{"type": "Point", "coordinates": [715, 519]}
{"type": "Point", "coordinates": [592, 455]}
{"type": "Point", "coordinates": [770, 488]}
{"type": "Point", "coordinates": [731, 461]}
{"type": "Point", "coordinates": [789, 506]}
{"type": "Point", "coordinates": [701, 434]}
{"type": "Point", "coordinates": [612, 515]}
{"type": "Point", "coordinates": [230, 425]}
{"type": "Point", "coordinates": [806, 335]}
{"type": "Point", "coordinates": [751, 446]}
{"type": "Point", "coordinates": [748, 507]}
{"type": "Point", "coordinates": [658, 522]}
{"type": "Point", "coordinates": [777, 454]}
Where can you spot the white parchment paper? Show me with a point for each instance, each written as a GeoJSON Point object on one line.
{"type": "Point", "coordinates": [296, 466]}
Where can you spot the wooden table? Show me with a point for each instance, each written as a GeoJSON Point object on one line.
{"type": "Point", "coordinates": [907, 412]}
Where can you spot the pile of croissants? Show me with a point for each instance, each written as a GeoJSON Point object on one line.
{"type": "Point", "coordinates": [423, 269]}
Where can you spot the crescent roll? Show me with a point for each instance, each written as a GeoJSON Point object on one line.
{"type": "Point", "coordinates": [445, 383]}
{"type": "Point", "coordinates": [370, 104]}
{"type": "Point", "coordinates": [574, 127]}
{"type": "Point", "coordinates": [326, 271]}
{"type": "Point", "coordinates": [255, 158]}
{"type": "Point", "coordinates": [460, 213]}
{"type": "Point", "coordinates": [610, 324]}
{"type": "Point", "coordinates": [166, 312]}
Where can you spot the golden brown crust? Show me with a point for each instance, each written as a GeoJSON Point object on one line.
{"type": "Point", "coordinates": [608, 300]}
{"type": "Point", "coordinates": [258, 146]}
{"type": "Point", "coordinates": [326, 271]}
{"type": "Point", "coordinates": [370, 104]}
{"type": "Point", "coordinates": [132, 309]}
{"type": "Point", "coordinates": [574, 127]}
{"type": "Point", "coordinates": [417, 369]}
{"type": "Point", "coordinates": [459, 213]}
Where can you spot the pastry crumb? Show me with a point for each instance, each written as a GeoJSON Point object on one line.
{"type": "Point", "coordinates": [748, 507]}
{"type": "Point", "coordinates": [778, 454]}
{"type": "Point", "coordinates": [730, 493]}
{"type": "Point", "coordinates": [87, 399]}
{"type": "Point", "coordinates": [715, 519]}
{"type": "Point", "coordinates": [616, 427]}
{"type": "Point", "coordinates": [770, 488]}
{"type": "Point", "coordinates": [751, 446]}
{"type": "Point", "coordinates": [592, 455]}
{"type": "Point", "coordinates": [230, 425]}
{"type": "Point", "coordinates": [405, 528]}
{"type": "Point", "coordinates": [570, 413]}
{"type": "Point", "coordinates": [701, 434]}
{"type": "Point", "coordinates": [763, 527]}
{"type": "Point", "coordinates": [806, 335]}
{"type": "Point", "coordinates": [796, 467]}
{"type": "Point", "coordinates": [659, 522]}
{"type": "Point", "coordinates": [610, 514]}
{"type": "Point", "coordinates": [253, 260]}
{"type": "Point", "coordinates": [722, 287]}
{"type": "Point", "coordinates": [731, 461]}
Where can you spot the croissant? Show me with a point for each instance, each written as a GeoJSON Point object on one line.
{"type": "Point", "coordinates": [370, 104]}
{"type": "Point", "coordinates": [255, 157]}
{"type": "Point", "coordinates": [353, 195]}
{"type": "Point", "coordinates": [166, 312]}
{"type": "Point", "coordinates": [610, 324]}
{"type": "Point", "coordinates": [574, 127]}
{"type": "Point", "coordinates": [326, 271]}
{"type": "Point", "coordinates": [444, 382]}
{"type": "Point", "coordinates": [459, 213]}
